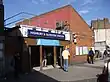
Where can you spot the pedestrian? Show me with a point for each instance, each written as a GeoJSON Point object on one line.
{"type": "Point", "coordinates": [65, 55]}
{"type": "Point", "coordinates": [44, 62]}
{"type": "Point", "coordinates": [90, 56]}
{"type": "Point", "coordinates": [16, 65]}
{"type": "Point", "coordinates": [105, 54]}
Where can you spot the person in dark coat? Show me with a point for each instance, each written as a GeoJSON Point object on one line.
{"type": "Point", "coordinates": [17, 64]}
{"type": "Point", "coordinates": [91, 55]}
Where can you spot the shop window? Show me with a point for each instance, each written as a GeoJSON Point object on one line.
{"type": "Point", "coordinates": [81, 50]}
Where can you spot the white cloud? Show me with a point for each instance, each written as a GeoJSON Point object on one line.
{"type": "Point", "coordinates": [70, 1]}
{"type": "Point", "coordinates": [83, 11]}
{"type": "Point", "coordinates": [44, 1]}
{"type": "Point", "coordinates": [35, 2]}
{"type": "Point", "coordinates": [86, 2]}
{"type": "Point", "coordinates": [51, 1]}
{"type": "Point", "coordinates": [40, 1]}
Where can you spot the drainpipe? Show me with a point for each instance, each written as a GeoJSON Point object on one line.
{"type": "Point", "coordinates": [2, 39]}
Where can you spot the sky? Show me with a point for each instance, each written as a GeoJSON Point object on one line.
{"type": "Point", "coordinates": [88, 9]}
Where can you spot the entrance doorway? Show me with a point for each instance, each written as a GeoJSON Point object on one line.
{"type": "Point", "coordinates": [48, 50]}
{"type": "Point", "coordinates": [35, 56]}
{"type": "Point", "coordinates": [59, 57]}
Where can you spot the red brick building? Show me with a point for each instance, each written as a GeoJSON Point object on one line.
{"type": "Point", "coordinates": [74, 21]}
{"type": "Point", "coordinates": [100, 23]}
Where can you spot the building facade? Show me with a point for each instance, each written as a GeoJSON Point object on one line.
{"type": "Point", "coordinates": [101, 29]}
{"type": "Point", "coordinates": [67, 19]}
{"type": "Point", "coordinates": [31, 43]}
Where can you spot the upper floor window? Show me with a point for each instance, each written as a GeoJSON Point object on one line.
{"type": "Point", "coordinates": [62, 25]}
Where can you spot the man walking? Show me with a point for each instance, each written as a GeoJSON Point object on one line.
{"type": "Point", "coordinates": [65, 55]}
{"type": "Point", "coordinates": [17, 64]}
{"type": "Point", "coordinates": [91, 55]}
{"type": "Point", "coordinates": [44, 62]}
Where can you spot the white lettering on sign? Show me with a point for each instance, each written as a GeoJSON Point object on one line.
{"type": "Point", "coordinates": [36, 33]}
{"type": "Point", "coordinates": [60, 36]}
{"type": "Point", "coordinates": [54, 35]}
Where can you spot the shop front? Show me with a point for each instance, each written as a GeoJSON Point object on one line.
{"type": "Point", "coordinates": [32, 43]}
{"type": "Point", "coordinates": [48, 43]}
{"type": "Point", "coordinates": [51, 48]}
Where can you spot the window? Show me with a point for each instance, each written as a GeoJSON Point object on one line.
{"type": "Point", "coordinates": [59, 25]}
{"type": "Point", "coordinates": [81, 50]}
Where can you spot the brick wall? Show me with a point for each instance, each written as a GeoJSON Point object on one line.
{"type": "Point", "coordinates": [82, 58]}
{"type": "Point", "coordinates": [66, 13]}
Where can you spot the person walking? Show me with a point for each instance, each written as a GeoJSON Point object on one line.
{"type": "Point", "coordinates": [16, 65]}
{"type": "Point", "coordinates": [65, 55]}
{"type": "Point", "coordinates": [44, 62]}
{"type": "Point", "coordinates": [105, 54]}
{"type": "Point", "coordinates": [91, 56]}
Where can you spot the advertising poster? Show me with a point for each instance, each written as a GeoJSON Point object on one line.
{"type": "Point", "coordinates": [77, 50]}
{"type": "Point", "coordinates": [85, 50]}
{"type": "Point", "coordinates": [81, 50]}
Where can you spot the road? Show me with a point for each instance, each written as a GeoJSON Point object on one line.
{"type": "Point", "coordinates": [77, 73]}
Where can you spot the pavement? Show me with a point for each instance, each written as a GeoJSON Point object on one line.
{"type": "Point", "coordinates": [76, 73]}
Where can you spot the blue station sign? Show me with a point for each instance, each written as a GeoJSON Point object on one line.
{"type": "Point", "coordinates": [45, 35]}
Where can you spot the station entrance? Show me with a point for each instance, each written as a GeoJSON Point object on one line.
{"type": "Point", "coordinates": [49, 52]}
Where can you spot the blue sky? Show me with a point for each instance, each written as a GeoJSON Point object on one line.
{"type": "Point", "coordinates": [88, 9]}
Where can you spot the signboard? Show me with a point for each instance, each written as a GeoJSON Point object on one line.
{"type": "Point", "coordinates": [46, 35]}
